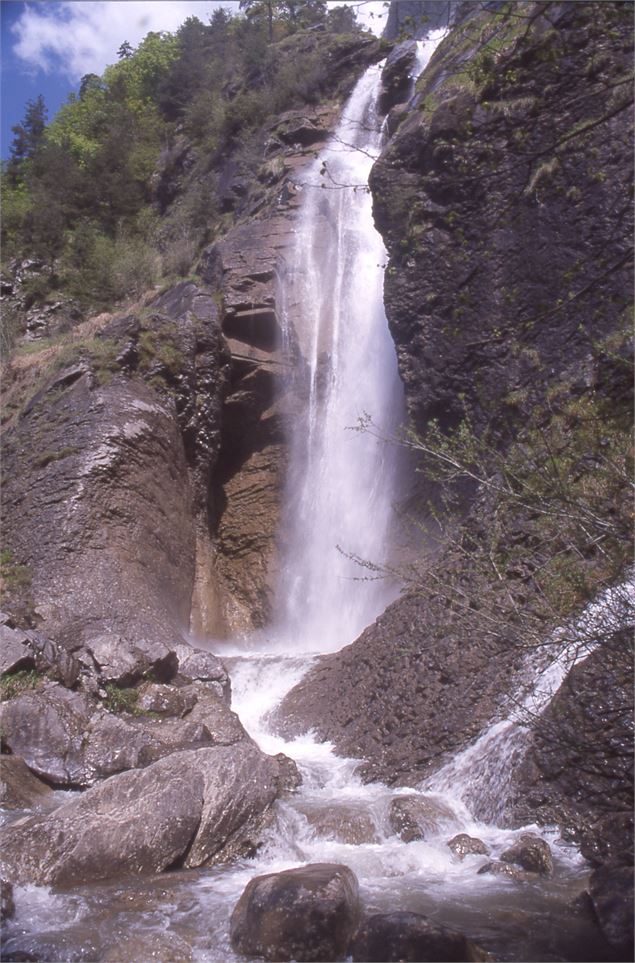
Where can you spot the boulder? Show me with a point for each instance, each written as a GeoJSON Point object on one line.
{"type": "Point", "coordinates": [411, 936]}
{"type": "Point", "coordinates": [611, 892]}
{"type": "Point", "coordinates": [69, 739]}
{"type": "Point", "coordinates": [122, 661]}
{"type": "Point", "coordinates": [290, 777]}
{"type": "Point", "coordinates": [532, 853]}
{"type": "Point", "coordinates": [418, 817]}
{"type": "Point", "coordinates": [19, 788]}
{"type": "Point", "coordinates": [309, 913]}
{"type": "Point", "coordinates": [200, 803]}
{"type": "Point", "coordinates": [497, 868]}
{"type": "Point", "coordinates": [463, 845]}
{"type": "Point", "coordinates": [54, 659]}
{"type": "Point", "coordinates": [341, 822]}
{"type": "Point", "coordinates": [212, 711]}
{"type": "Point", "coordinates": [15, 651]}
{"type": "Point", "coordinates": [166, 700]}
{"type": "Point", "coordinates": [7, 906]}
{"type": "Point", "coordinates": [197, 665]}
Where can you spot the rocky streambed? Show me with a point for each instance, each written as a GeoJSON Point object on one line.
{"type": "Point", "coordinates": [134, 831]}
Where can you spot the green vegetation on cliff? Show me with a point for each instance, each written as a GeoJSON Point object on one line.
{"type": "Point", "coordinates": [125, 183]}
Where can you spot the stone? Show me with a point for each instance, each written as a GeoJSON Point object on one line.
{"type": "Point", "coordinates": [19, 788]}
{"type": "Point", "coordinates": [611, 892]}
{"type": "Point", "coordinates": [498, 868]}
{"type": "Point", "coordinates": [290, 777]}
{"type": "Point", "coordinates": [212, 711]}
{"type": "Point", "coordinates": [70, 740]}
{"type": "Point", "coordinates": [309, 913]}
{"type": "Point", "coordinates": [166, 700]}
{"type": "Point", "coordinates": [15, 652]}
{"type": "Point", "coordinates": [202, 666]}
{"type": "Point", "coordinates": [419, 817]}
{"type": "Point", "coordinates": [412, 937]}
{"type": "Point", "coordinates": [162, 947]}
{"type": "Point", "coordinates": [532, 853]}
{"type": "Point", "coordinates": [463, 845]}
{"type": "Point", "coordinates": [341, 822]}
{"type": "Point", "coordinates": [7, 906]}
{"type": "Point", "coordinates": [188, 807]}
{"type": "Point", "coordinates": [54, 659]}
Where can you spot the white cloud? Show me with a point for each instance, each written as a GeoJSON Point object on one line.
{"type": "Point", "coordinates": [76, 38]}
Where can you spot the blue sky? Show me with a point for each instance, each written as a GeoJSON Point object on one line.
{"type": "Point", "coordinates": [48, 46]}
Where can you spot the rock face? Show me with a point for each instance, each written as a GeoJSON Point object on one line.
{"type": "Point", "coordinates": [396, 77]}
{"type": "Point", "coordinates": [404, 677]}
{"type": "Point", "coordinates": [308, 913]}
{"type": "Point", "coordinates": [611, 891]}
{"type": "Point", "coordinates": [584, 778]}
{"type": "Point", "coordinates": [198, 806]}
{"type": "Point", "coordinates": [496, 220]}
{"type": "Point", "coordinates": [411, 936]}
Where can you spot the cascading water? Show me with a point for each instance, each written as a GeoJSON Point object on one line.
{"type": "Point", "coordinates": [342, 483]}
{"type": "Point", "coordinates": [341, 488]}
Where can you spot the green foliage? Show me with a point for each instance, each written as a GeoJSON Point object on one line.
{"type": "Point", "coordinates": [12, 575]}
{"type": "Point", "coordinates": [18, 682]}
{"type": "Point", "coordinates": [121, 699]}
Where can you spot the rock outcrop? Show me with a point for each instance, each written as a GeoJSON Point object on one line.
{"type": "Point", "coordinates": [411, 936]}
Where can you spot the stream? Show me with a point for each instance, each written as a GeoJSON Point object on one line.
{"type": "Point", "coordinates": [341, 489]}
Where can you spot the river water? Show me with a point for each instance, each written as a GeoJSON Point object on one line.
{"type": "Point", "coordinates": [342, 485]}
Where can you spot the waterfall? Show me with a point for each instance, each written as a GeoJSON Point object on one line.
{"type": "Point", "coordinates": [342, 483]}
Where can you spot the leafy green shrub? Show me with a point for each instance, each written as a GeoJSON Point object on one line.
{"type": "Point", "coordinates": [18, 682]}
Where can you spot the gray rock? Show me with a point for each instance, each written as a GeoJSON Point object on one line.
{"type": "Point", "coordinates": [412, 937]}
{"type": "Point", "coordinates": [463, 845]}
{"type": "Point", "coordinates": [611, 892]}
{"type": "Point", "coordinates": [201, 802]}
{"type": "Point", "coordinates": [53, 659]}
{"type": "Point", "coordinates": [69, 739]}
{"type": "Point", "coordinates": [123, 662]}
{"type": "Point", "coordinates": [419, 817]}
{"type": "Point", "coordinates": [290, 777]}
{"type": "Point", "coordinates": [15, 651]}
{"type": "Point", "coordinates": [532, 853]}
{"type": "Point", "coordinates": [199, 665]}
{"type": "Point", "coordinates": [161, 947]}
{"type": "Point", "coordinates": [498, 868]}
{"type": "Point", "coordinates": [19, 788]}
{"type": "Point", "coordinates": [7, 906]}
{"type": "Point", "coordinates": [309, 913]}
{"type": "Point", "coordinates": [212, 711]}
{"type": "Point", "coordinates": [166, 700]}
{"type": "Point", "coordinates": [341, 822]}
{"type": "Point", "coordinates": [396, 80]}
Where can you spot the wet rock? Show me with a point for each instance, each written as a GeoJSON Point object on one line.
{"type": "Point", "coordinates": [19, 788]}
{"type": "Point", "coordinates": [463, 845]}
{"type": "Point", "coordinates": [198, 802]}
{"type": "Point", "coordinates": [199, 665]}
{"type": "Point", "coordinates": [301, 914]}
{"type": "Point", "coordinates": [396, 77]}
{"type": "Point", "coordinates": [498, 868]}
{"type": "Point", "coordinates": [15, 651]}
{"type": "Point", "coordinates": [163, 947]}
{"type": "Point", "coordinates": [532, 853]}
{"type": "Point", "coordinates": [345, 824]}
{"type": "Point", "coordinates": [611, 892]}
{"type": "Point", "coordinates": [290, 777]}
{"type": "Point", "coordinates": [7, 906]}
{"type": "Point", "coordinates": [411, 936]}
{"type": "Point", "coordinates": [418, 817]}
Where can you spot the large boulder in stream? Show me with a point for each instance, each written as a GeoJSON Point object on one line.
{"type": "Point", "coordinates": [532, 853]}
{"type": "Point", "coordinates": [412, 937]}
{"type": "Point", "coordinates": [193, 808]}
{"type": "Point", "coordinates": [419, 817]}
{"type": "Point", "coordinates": [19, 788]}
{"type": "Point", "coordinates": [611, 892]}
{"type": "Point", "coordinates": [309, 913]}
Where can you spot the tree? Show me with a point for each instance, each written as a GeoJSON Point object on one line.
{"type": "Point", "coordinates": [29, 135]}
{"type": "Point", "coordinates": [125, 51]}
